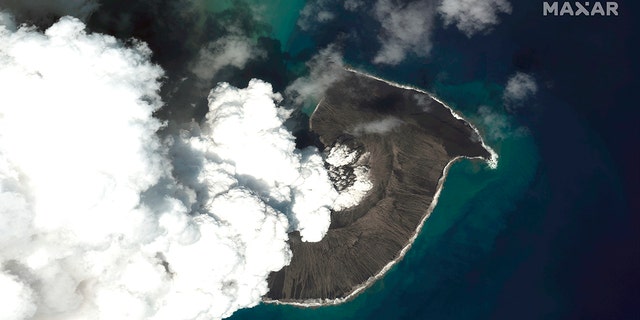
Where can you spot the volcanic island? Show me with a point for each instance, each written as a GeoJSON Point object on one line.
{"type": "Point", "coordinates": [407, 139]}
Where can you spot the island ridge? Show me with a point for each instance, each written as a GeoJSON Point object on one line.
{"type": "Point", "coordinates": [407, 139]}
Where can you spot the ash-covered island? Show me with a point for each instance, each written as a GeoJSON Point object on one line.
{"type": "Point", "coordinates": [396, 145]}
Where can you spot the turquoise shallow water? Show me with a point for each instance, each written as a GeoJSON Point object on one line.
{"type": "Point", "coordinates": [280, 15]}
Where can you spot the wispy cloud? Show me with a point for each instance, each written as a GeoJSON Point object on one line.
{"type": "Point", "coordinates": [519, 88]}
{"type": "Point", "coordinates": [325, 68]}
{"type": "Point", "coordinates": [46, 10]}
{"type": "Point", "coordinates": [473, 16]}
{"type": "Point", "coordinates": [406, 29]}
{"type": "Point", "coordinates": [314, 13]}
{"type": "Point", "coordinates": [381, 126]}
{"type": "Point", "coordinates": [232, 50]}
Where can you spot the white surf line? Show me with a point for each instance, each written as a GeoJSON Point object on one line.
{"type": "Point", "coordinates": [492, 163]}
{"type": "Point", "coordinates": [388, 266]}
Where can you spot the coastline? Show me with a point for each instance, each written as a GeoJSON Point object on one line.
{"type": "Point", "coordinates": [492, 163]}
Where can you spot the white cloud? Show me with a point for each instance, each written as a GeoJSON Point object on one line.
{"type": "Point", "coordinates": [350, 173]}
{"type": "Point", "coordinates": [406, 26]}
{"type": "Point", "coordinates": [519, 87]}
{"type": "Point", "coordinates": [95, 222]}
{"type": "Point", "coordinates": [245, 145]}
{"type": "Point", "coordinates": [406, 29]}
{"type": "Point", "coordinates": [423, 101]}
{"type": "Point", "coordinates": [381, 126]}
{"type": "Point", "coordinates": [232, 50]}
{"type": "Point", "coordinates": [17, 298]}
{"type": "Point", "coordinates": [473, 16]}
{"type": "Point", "coordinates": [498, 125]}
{"type": "Point", "coordinates": [318, 12]}
{"type": "Point", "coordinates": [325, 68]}
{"type": "Point", "coordinates": [313, 13]}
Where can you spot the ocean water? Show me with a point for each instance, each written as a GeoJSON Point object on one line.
{"type": "Point", "coordinates": [280, 15]}
{"type": "Point", "coordinates": [549, 233]}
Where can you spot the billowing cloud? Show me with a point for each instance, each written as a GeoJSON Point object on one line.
{"type": "Point", "coordinates": [245, 146]}
{"type": "Point", "coordinates": [99, 220]}
{"type": "Point", "coordinates": [381, 126]}
{"type": "Point", "coordinates": [350, 174]}
{"type": "Point", "coordinates": [520, 87]}
{"type": "Point", "coordinates": [17, 298]}
{"type": "Point", "coordinates": [473, 16]}
{"type": "Point", "coordinates": [406, 29]}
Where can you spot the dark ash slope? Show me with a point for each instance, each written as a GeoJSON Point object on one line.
{"type": "Point", "coordinates": [405, 163]}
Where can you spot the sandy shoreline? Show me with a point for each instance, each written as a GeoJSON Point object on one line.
{"type": "Point", "coordinates": [492, 163]}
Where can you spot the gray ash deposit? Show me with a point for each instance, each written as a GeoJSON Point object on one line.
{"type": "Point", "coordinates": [394, 144]}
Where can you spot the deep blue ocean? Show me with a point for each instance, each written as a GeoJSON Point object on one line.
{"type": "Point", "coordinates": [553, 232]}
